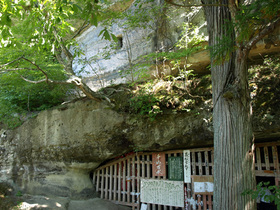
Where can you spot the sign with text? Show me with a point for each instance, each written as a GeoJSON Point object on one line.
{"type": "Point", "coordinates": [187, 166]}
{"type": "Point", "coordinates": [203, 187]}
{"type": "Point", "coordinates": [175, 168]}
{"type": "Point", "coordinates": [163, 192]}
{"type": "Point", "coordinates": [158, 160]}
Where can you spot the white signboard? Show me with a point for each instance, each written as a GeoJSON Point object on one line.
{"type": "Point", "coordinates": [200, 187]}
{"type": "Point", "coordinates": [187, 166]}
{"type": "Point", "coordinates": [144, 206]}
{"type": "Point", "coordinates": [170, 193]}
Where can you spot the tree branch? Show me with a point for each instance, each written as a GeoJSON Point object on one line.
{"type": "Point", "coordinates": [34, 82]}
{"type": "Point", "coordinates": [75, 81]}
{"type": "Point", "coordinates": [38, 67]}
{"type": "Point", "coordinates": [85, 24]}
{"type": "Point", "coordinates": [62, 46]}
{"type": "Point", "coordinates": [269, 28]}
{"type": "Point", "coordinates": [17, 69]}
{"type": "Point", "coordinates": [195, 5]}
{"type": "Point", "coordinates": [6, 64]}
{"type": "Point", "coordinates": [68, 54]}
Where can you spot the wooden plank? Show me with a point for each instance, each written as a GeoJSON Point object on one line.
{"type": "Point", "coordinates": [212, 162]}
{"type": "Point", "coordinates": [258, 158]}
{"type": "Point", "coordinates": [106, 183]}
{"type": "Point", "coordinates": [275, 143]}
{"type": "Point", "coordinates": [275, 159]}
{"type": "Point", "coordinates": [138, 182]}
{"type": "Point", "coordinates": [119, 181]}
{"type": "Point", "coordinates": [199, 163]}
{"type": "Point", "coordinates": [143, 172]}
{"type": "Point", "coordinates": [210, 203]}
{"type": "Point", "coordinates": [206, 163]}
{"type": "Point", "coordinates": [199, 201]}
{"type": "Point", "coordinates": [193, 164]}
{"type": "Point", "coordinates": [115, 181]}
{"type": "Point", "coordinates": [189, 190]}
{"type": "Point", "coordinates": [110, 182]}
{"type": "Point", "coordinates": [165, 163]}
{"type": "Point", "coordinates": [128, 180]}
{"type": "Point", "coordinates": [265, 173]}
{"type": "Point", "coordinates": [133, 180]}
{"type": "Point", "coordinates": [124, 181]}
{"type": "Point", "coordinates": [102, 182]}
{"type": "Point", "coordinates": [197, 178]}
{"type": "Point", "coordinates": [150, 153]}
{"type": "Point", "coordinates": [277, 181]}
{"type": "Point", "coordinates": [124, 203]}
{"type": "Point", "coordinates": [204, 200]}
{"type": "Point", "coordinates": [266, 157]}
{"type": "Point", "coordinates": [148, 166]}
{"type": "Point", "coordinates": [98, 181]}
{"type": "Point", "coordinates": [153, 205]}
{"type": "Point", "coordinates": [202, 149]}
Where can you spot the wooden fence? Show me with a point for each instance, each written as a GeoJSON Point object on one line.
{"type": "Point", "coordinates": [119, 180]}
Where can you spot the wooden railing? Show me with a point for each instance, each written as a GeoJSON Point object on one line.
{"type": "Point", "coordinates": [119, 180]}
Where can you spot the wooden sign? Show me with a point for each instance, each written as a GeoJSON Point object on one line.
{"type": "Point", "coordinates": [203, 187]}
{"type": "Point", "coordinates": [158, 160]}
{"type": "Point", "coordinates": [175, 168]}
{"type": "Point", "coordinates": [163, 192]}
{"type": "Point", "coordinates": [203, 184]}
{"type": "Point", "coordinates": [187, 166]}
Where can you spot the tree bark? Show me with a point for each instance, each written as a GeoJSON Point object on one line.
{"type": "Point", "coordinates": [233, 138]}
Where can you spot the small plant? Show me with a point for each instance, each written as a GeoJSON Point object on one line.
{"type": "Point", "coordinates": [145, 105]}
{"type": "Point", "coordinates": [19, 194]}
{"type": "Point", "coordinates": [265, 193]}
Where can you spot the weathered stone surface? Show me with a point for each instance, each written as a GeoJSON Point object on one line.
{"type": "Point", "coordinates": [54, 153]}
{"type": "Point", "coordinates": [95, 203]}
{"type": "Point", "coordinates": [61, 203]}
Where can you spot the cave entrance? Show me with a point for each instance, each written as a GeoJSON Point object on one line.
{"type": "Point", "coordinates": [122, 180]}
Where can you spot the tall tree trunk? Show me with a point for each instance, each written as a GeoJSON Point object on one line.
{"type": "Point", "coordinates": [233, 138]}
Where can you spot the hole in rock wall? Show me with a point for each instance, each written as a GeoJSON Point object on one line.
{"type": "Point", "coordinates": [120, 42]}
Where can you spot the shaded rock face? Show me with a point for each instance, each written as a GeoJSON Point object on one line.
{"type": "Point", "coordinates": [55, 152]}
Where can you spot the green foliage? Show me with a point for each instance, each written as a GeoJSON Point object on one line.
{"type": "Point", "coordinates": [178, 54]}
{"type": "Point", "coordinates": [136, 72]}
{"type": "Point", "coordinates": [190, 37]}
{"type": "Point", "coordinates": [17, 97]}
{"type": "Point", "coordinates": [19, 194]}
{"type": "Point", "coordinates": [249, 21]}
{"type": "Point", "coordinates": [153, 98]}
{"type": "Point", "coordinates": [145, 105]}
{"type": "Point", "coordinates": [38, 31]}
{"type": "Point", "coordinates": [265, 89]}
{"type": "Point", "coordinates": [260, 192]}
{"type": "Point", "coordinates": [143, 15]}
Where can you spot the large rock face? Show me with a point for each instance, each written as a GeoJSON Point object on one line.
{"type": "Point", "coordinates": [55, 152]}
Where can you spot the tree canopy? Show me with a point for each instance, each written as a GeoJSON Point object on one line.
{"type": "Point", "coordinates": [37, 49]}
